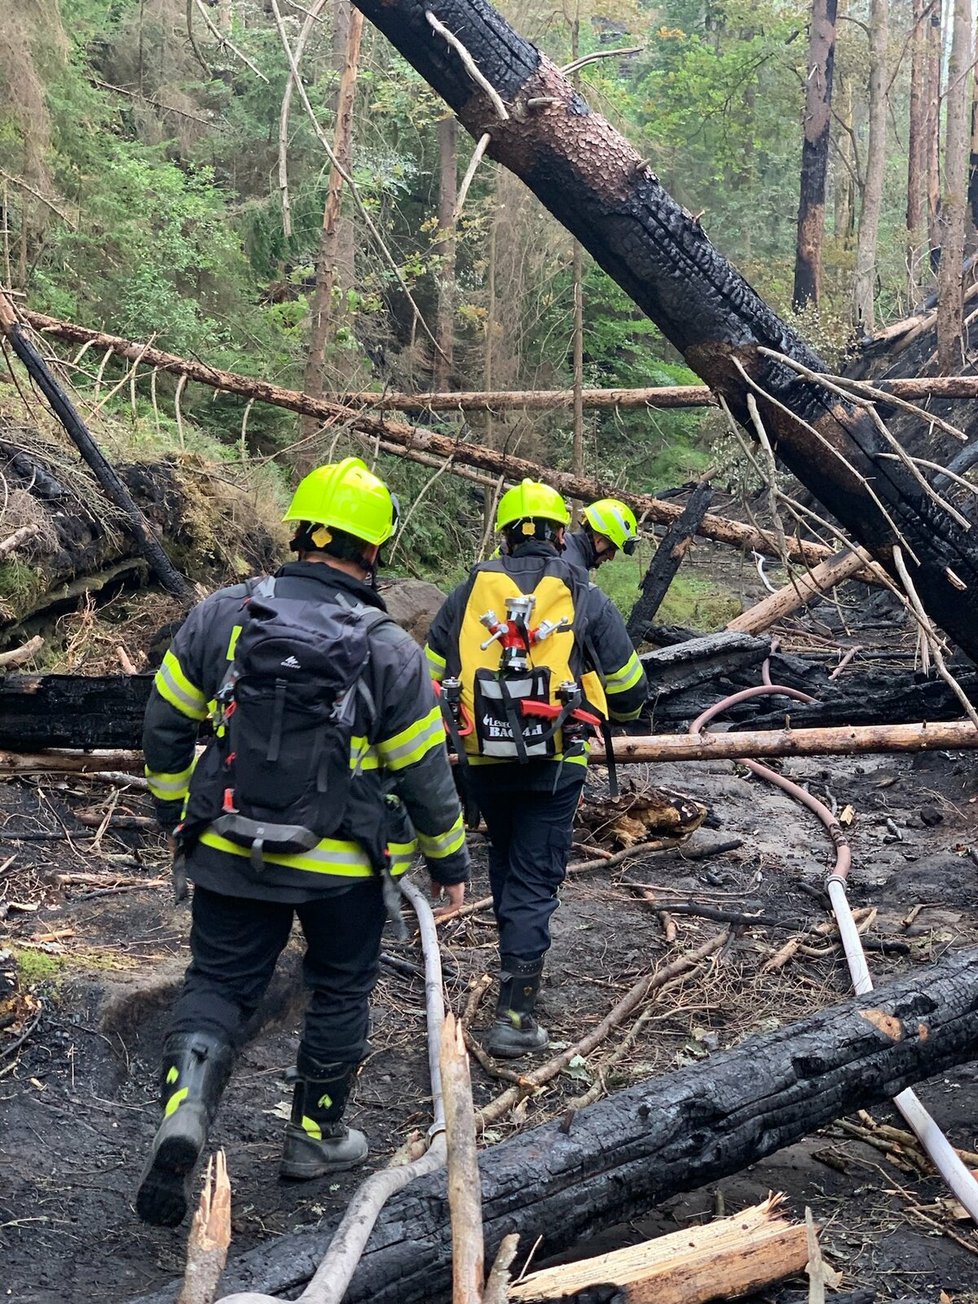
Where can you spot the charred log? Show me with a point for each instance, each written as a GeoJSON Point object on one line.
{"type": "Point", "coordinates": [41, 711]}
{"type": "Point", "coordinates": [693, 660]}
{"type": "Point", "coordinates": [618, 1158]}
{"type": "Point", "coordinates": [607, 196]}
{"type": "Point", "coordinates": [108, 478]}
{"type": "Point", "coordinates": [667, 560]}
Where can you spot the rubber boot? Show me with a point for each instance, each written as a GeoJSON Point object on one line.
{"type": "Point", "coordinates": [515, 1032]}
{"type": "Point", "coordinates": [317, 1141]}
{"type": "Point", "coordinates": [195, 1070]}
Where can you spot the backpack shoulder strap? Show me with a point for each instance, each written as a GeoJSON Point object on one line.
{"type": "Point", "coordinates": [370, 618]}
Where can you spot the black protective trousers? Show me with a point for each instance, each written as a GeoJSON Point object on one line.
{"type": "Point", "coordinates": [236, 941]}
{"type": "Point", "coordinates": [530, 836]}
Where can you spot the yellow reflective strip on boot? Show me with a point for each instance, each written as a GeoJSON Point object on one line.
{"type": "Point", "coordinates": [173, 1075]}
{"type": "Point", "coordinates": [175, 1101]}
{"type": "Point", "coordinates": [312, 1128]}
{"type": "Point", "coordinates": [324, 1101]}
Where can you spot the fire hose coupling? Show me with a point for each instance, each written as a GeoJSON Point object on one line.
{"type": "Point", "coordinates": [450, 693]}
{"type": "Point", "coordinates": [569, 694]}
{"type": "Point", "coordinates": [515, 630]}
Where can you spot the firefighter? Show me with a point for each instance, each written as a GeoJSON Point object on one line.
{"type": "Point", "coordinates": [609, 525]}
{"type": "Point", "coordinates": [527, 697]}
{"type": "Point", "coordinates": [399, 790]}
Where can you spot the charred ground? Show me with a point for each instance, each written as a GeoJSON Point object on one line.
{"type": "Point", "coordinates": [96, 947]}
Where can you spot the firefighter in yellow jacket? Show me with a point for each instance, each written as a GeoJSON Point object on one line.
{"type": "Point", "coordinates": [327, 767]}
{"type": "Point", "coordinates": [530, 658]}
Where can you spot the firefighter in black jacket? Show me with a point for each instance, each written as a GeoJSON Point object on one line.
{"type": "Point", "coordinates": [243, 902]}
{"type": "Point", "coordinates": [609, 524]}
{"type": "Point", "coordinates": [525, 697]}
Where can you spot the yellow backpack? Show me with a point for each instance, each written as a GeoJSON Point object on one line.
{"type": "Point", "coordinates": [521, 662]}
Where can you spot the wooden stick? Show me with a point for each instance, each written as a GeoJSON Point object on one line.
{"type": "Point", "coordinates": [941, 735]}
{"type": "Point", "coordinates": [464, 1191]}
{"type": "Point", "coordinates": [497, 1284]}
{"type": "Point", "coordinates": [949, 735]}
{"type": "Point", "coordinates": [13, 541]}
{"type": "Point", "coordinates": [210, 1236]}
{"type": "Point", "coordinates": [802, 588]}
{"type": "Point", "coordinates": [530, 400]}
{"type": "Point", "coordinates": [18, 655]}
{"type": "Point", "coordinates": [724, 1258]}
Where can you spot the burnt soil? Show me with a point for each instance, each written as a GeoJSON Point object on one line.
{"type": "Point", "coordinates": [92, 950]}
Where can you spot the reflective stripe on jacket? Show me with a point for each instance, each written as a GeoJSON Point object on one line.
{"type": "Point", "coordinates": [397, 748]}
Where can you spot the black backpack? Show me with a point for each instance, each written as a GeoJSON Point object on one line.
{"type": "Point", "coordinates": [277, 776]}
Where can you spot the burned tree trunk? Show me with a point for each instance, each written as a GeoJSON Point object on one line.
{"type": "Point", "coordinates": [815, 154]}
{"type": "Point", "coordinates": [667, 560]}
{"type": "Point", "coordinates": [607, 196]}
{"type": "Point", "coordinates": [618, 1158]}
{"type": "Point", "coordinates": [106, 474]}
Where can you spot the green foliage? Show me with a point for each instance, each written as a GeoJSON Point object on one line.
{"type": "Point", "coordinates": [19, 586]}
{"type": "Point", "coordinates": [38, 969]}
{"type": "Point", "coordinates": [720, 85]}
{"type": "Point", "coordinates": [168, 226]}
{"type": "Point", "coordinates": [691, 600]}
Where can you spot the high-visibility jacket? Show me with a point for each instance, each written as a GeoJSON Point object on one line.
{"type": "Point", "coordinates": [401, 771]}
{"type": "Point", "coordinates": [609, 650]}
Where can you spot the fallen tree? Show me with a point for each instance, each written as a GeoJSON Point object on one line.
{"type": "Point", "coordinates": [659, 396]}
{"type": "Point", "coordinates": [621, 1156]}
{"type": "Point", "coordinates": [105, 473]}
{"type": "Point", "coordinates": [424, 445]}
{"type": "Point", "coordinates": [607, 196]}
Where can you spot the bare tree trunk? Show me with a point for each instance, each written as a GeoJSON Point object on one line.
{"type": "Point", "coordinates": [864, 284]}
{"type": "Point", "coordinates": [933, 132]}
{"type": "Point", "coordinates": [815, 153]}
{"type": "Point", "coordinates": [917, 152]}
{"type": "Point", "coordinates": [488, 499]}
{"type": "Point", "coordinates": [447, 193]}
{"type": "Point", "coordinates": [321, 308]}
{"type": "Point", "coordinates": [577, 458]}
{"type": "Point", "coordinates": [577, 451]}
{"type": "Point", "coordinates": [950, 304]}
{"type": "Point", "coordinates": [848, 184]}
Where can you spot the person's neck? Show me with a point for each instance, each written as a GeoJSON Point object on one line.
{"type": "Point", "coordinates": [348, 567]}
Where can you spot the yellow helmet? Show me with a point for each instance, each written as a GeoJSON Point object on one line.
{"type": "Point", "coordinates": [531, 500]}
{"type": "Point", "coordinates": [615, 520]}
{"type": "Point", "coordinates": [346, 496]}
